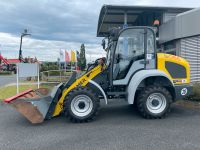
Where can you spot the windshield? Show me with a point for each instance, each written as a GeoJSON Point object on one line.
{"type": "Point", "coordinates": [109, 50]}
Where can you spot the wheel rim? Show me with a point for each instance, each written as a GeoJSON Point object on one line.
{"type": "Point", "coordinates": [81, 105]}
{"type": "Point", "coordinates": [156, 103]}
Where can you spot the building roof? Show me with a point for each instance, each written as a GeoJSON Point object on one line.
{"type": "Point", "coordinates": [13, 61]}
{"type": "Point", "coordinates": [183, 25]}
{"type": "Point", "coordinates": [113, 16]}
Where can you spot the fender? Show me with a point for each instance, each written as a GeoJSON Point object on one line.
{"type": "Point", "coordinates": [100, 88]}
{"type": "Point", "coordinates": [82, 81]}
{"type": "Point", "coordinates": [138, 78]}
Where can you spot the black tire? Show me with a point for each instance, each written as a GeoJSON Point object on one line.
{"type": "Point", "coordinates": [134, 105]}
{"type": "Point", "coordinates": [144, 105]}
{"type": "Point", "coordinates": [70, 106]}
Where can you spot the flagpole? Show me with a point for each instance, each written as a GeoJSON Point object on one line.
{"type": "Point", "coordinates": [60, 61]}
{"type": "Point", "coordinates": [65, 66]}
{"type": "Point", "coordinates": [71, 60]}
{"type": "Point", "coordinates": [76, 59]}
{"type": "Point", "coordinates": [71, 66]}
{"type": "Point", "coordinates": [65, 61]}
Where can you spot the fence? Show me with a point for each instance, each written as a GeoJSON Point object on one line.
{"type": "Point", "coordinates": [55, 75]}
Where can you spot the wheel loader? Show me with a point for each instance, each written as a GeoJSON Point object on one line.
{"type": "Point", "coordinates": [132, 70]}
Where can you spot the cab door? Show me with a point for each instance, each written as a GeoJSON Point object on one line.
{"type": "Point", "coordinates": [131, 54]}
{"type": "Point", "coordinates": [150, 58]}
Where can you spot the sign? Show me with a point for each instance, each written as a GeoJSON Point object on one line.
{"type": "Point", "coordinates": [27, 70]}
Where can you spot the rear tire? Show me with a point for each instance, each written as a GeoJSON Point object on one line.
{"type": "Point", "coordinates": [81, 105]}
{"type": "Point", "coordinates": [154, 102]}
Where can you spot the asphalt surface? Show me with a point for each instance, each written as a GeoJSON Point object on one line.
{"type": "Point", "coordinates": [117, 127]}
{"type": "Point", "coordinates": [7, 79]}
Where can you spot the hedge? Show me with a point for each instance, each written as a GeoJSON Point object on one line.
{"type": "Point", "coordinates": [5, 72]}
{"type": "Point", "coordinates": [195, 95]}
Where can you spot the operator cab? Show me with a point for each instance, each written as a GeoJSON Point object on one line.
{"type": "Point", "coordinates": [129, 50]}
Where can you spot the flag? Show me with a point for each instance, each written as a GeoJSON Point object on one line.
{"type": "Point", "coordinates": [62, 57]}
{"type": "Point", "coordinates": [73, 56]}
{"type": "Point", "coordinates": [67, 59]}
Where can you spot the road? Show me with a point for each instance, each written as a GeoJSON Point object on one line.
{"type": "Point", "coordinates": [7, 79]}
{"type": "Point", "coordinates": [117, 127]}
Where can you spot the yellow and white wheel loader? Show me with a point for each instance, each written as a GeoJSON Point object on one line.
{"type": "Point", "coordinates": [131, 70]}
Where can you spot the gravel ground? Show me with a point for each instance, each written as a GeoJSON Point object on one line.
{"type": "Point", "coordinates": [117, 127]}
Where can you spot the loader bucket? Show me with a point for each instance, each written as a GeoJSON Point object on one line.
{"type": "Point", "coordinates": [36, 105]}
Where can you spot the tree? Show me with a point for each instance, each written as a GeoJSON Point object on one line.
{"type": "Point", "coordinates": [81, 59]}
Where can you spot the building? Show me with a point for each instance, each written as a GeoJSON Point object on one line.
{"type": "Point", "coordinates": [10, 64]}
{"type": "Point", "coordinates": [118, 16]}
{"type": "Point", "coordinates": [179, 30]}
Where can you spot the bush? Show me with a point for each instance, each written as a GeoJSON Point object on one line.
{"type": "Point", "coordinates": [5, 72]}
{"type": "Point", "coordinates": [43, 68]}
{"type": "Point", "coordinates": [53, 67]}
{"type": "Point", "coordinates": [195, 95]}
{"type": "Point", "coordinates": [48, 66]}
{"type": "Point", "coordinates": [54, 73]}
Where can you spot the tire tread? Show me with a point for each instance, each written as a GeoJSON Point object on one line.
{"type": "Point", "coordinates": [70, 96]}
{"type": "Point", "coordinates": [141, 100]}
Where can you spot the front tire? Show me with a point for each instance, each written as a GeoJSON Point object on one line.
{"type": "Point", "coordinates": [81, 105]}
{"type": "Point", "coordinates": [154, 102]}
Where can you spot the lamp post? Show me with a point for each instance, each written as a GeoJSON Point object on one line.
{"type": "Point", "coordinates": [25, 33]}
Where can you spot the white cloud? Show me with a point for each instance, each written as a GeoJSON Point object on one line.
{"type": "Point", "coordinates": [44, 50]}
{"type": "Point", "coordinates": [59, 25]}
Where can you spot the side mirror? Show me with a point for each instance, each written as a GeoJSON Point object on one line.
{"type": "Point", "coordinates": [103, 44]}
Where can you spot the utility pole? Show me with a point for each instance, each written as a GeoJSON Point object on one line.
{"type": "Point", "coordinates": [20, 49]}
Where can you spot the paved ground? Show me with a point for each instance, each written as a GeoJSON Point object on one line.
{"type": "Point", "coordinates": [118, 127]}
{"type": "Point", "coordinates": [7, 79]}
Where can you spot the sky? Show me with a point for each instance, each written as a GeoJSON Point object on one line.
{"type": "Point", "coordinates": [59, 24]}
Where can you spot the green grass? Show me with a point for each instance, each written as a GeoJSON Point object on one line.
{"type": "Point", "coordinates": [9, 91]}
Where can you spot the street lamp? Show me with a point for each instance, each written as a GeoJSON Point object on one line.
{"type": "Point", "coordinates": [25, 33]}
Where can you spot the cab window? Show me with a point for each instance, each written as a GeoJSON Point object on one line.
{"type": "Point", "coordinates": [130, 48]}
